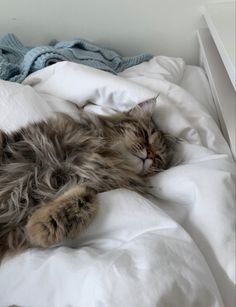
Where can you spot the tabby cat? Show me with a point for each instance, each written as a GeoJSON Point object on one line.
{"type": "Point", "coordinates": [51, 171]}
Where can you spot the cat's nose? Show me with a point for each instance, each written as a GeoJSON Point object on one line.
{"type": "Point", "coordinates": [150, 155]}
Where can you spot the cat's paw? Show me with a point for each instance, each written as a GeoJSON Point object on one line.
{"type": "Point", "coordinates": [61, 219]}
{"type": "Point", "coordinates": [44, 230]}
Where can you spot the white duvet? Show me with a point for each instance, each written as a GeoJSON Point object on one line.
{"type": "Point", "coordinates": [177, 249]}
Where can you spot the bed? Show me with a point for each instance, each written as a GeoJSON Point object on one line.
{"type": "Point", "coordinates": [173, 249]}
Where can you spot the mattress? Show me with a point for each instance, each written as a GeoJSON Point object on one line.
{"type": "Point", "coordinates": [173, 249]}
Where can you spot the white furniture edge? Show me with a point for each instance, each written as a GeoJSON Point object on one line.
{"type": "Point", "coordinates": [222, 89]}
{"type": "Point", "coordinates": [220, 46]}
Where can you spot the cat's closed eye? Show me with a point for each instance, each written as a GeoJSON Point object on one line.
{"type": "Point", "coordinates": [146, 136]}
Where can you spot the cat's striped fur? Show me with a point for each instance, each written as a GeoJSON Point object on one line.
{"type": "Point", "coordinates": [50, 172]}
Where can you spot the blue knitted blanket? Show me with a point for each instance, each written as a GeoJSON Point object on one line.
{"type": "Point", "coordinates": [18, 61]}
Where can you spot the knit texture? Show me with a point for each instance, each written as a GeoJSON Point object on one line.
{"type": "Point", "coordinates": [18, 61]}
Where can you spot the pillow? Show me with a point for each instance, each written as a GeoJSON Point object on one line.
{"type": "Point", "coordinates": [21, 104]}
{"type": "Point", "coordinates": [159, 68]}
{"type": "Point", "coordinates": [79, 84]}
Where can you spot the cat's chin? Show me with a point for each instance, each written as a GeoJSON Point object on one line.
{"type": "Point", "coordinates": [140, 166]}
{"type": "Point", "coordinates": [146, 165]}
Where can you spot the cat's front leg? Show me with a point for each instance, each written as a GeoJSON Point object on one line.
{"type": "Point", "coordinates": [62, 218]}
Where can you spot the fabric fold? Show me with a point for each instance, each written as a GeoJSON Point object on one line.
{"type": "Point", "coordinates": [18, 61]}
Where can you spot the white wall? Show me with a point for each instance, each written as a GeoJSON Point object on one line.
{"type": "Point", "coordinates": [130, 26]}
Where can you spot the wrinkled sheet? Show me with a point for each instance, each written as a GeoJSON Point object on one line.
{"type": "Point", "coordinates": [174, 249]}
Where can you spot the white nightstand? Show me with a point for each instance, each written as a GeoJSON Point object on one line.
{"type": "Point", "coordinates": [217, 57]}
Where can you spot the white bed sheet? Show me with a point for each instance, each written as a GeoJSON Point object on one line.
{"type": "Point", "coordinates": [195, 82]}
{"type": "Point", "coordinates": [174, 250]}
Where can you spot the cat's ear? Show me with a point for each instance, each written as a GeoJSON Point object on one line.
{"type": "Point", "coordinates": [143, 109]}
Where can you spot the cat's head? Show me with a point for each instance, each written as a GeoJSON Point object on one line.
{"type": "Point", "coordinates": [145, 147]}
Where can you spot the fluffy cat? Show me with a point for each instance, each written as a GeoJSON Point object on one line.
{"type": "Point", "coordinates": [51, 171]}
